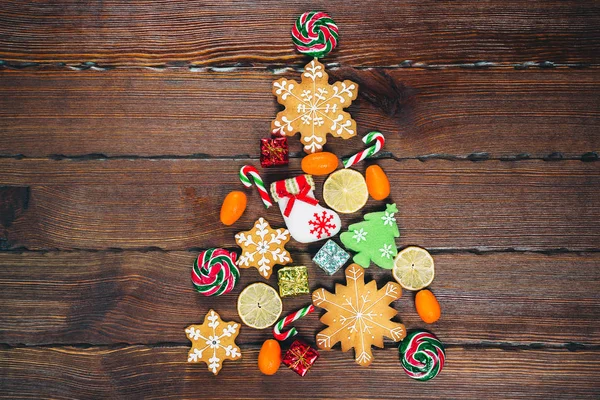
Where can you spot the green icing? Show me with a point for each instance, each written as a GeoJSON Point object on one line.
{"type": "Point", "coordinates": [374, 238]}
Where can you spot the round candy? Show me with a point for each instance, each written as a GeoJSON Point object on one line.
{"type": "Point", "coordinates": [215, 272]}
{"type": "Point", "coordinates": [315, 34]}
{"type": "Point", "coordinates": [422, 355]}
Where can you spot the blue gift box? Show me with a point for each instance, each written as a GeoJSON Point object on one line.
{"type": "Point", "coordinates": [331, 257]}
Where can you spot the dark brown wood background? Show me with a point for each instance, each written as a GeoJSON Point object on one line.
{"type": "Point", "coordinates": [123, 124]}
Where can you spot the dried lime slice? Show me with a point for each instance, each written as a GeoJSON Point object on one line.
{"type": "Point", "coordinates": [413, 268]}
{"type": "Point", "coordinates": [259, 305]}
{"type": "Point", "coordinates": [345, 191]}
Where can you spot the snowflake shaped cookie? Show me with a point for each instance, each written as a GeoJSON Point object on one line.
{"type": "Point", "coordinates": [263, 247]}
{"type": "Point", "coordinates": [314, 107]}
{"type": "Point", "coordinates": [213, 342]}
{"type": "Point", "coordinates": [358, 315]}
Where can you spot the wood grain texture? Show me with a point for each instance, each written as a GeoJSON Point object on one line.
{"type": "Point", "coordinates": [140, 112]}
{"type": "Point", "coordinates": [145, 32]}
{"type": "Point", "coordinates": [174, 204]}
{"type": "Point", "coordinates": [162, 373]}
{"type": "Point", "coordinates": [123, 126]}
{"type": "Point", "coordinates": [145, 298]}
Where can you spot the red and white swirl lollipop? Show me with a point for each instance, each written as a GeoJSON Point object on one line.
{"type": "Point", "coordinates": [422, 355]}
{"type": "Point", "coordinates": [215, 272]}
{"type": "Point", "coordinates": [315, 34]}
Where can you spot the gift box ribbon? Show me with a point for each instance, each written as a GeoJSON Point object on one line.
{"type": "Point", "coordinates": [276, 151]}
{"type": "Point", "coordinates": [300, 358]}
{"type": "Point", "coordinates": [302, 195]}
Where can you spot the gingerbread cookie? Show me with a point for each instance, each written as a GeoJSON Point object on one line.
{"type": "Point", "coordinates": [314, 107]}
{"type": "Point", "coordinates": [213, 342]}
{"type": "Point", "coordinates": [358, 315]}
{"type": "Point", "coordinates": [263, 247]}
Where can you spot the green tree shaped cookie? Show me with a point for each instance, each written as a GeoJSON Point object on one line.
{"type": "Point", "coordinates": [374, 238]}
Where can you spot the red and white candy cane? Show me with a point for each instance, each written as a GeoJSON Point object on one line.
{"type": "Point", "coordinates": [368, 152]}
{"type": "Point", "coordinates": [247, 172]}
{"type": "Point", "coordinates": [281, 336]}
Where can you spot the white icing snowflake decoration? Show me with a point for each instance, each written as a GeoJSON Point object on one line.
{"type": "Point", "coordinates": [263, 247]}
{"type": "Point", "coordinates": [358, 315]}
{"type": "Point", "coordinates": [314, 107]}
{"type": "Point", "coordinates": [216, 345]}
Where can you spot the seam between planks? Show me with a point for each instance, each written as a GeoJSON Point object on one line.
{"type": "Point", "coordinates": [480, 251]}
{"type": "Point", "coordinates": [508, 346]}
{"type": "Point", "coordinates": [589, 156]}
{"type": "Point", "coordinates": [277, 69]}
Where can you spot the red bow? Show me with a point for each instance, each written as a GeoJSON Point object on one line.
{"type": "Point", "coordinates": [302, 196]}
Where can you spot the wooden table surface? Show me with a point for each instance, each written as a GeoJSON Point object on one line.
{"type": "Point", "coordinates": [123, 124]}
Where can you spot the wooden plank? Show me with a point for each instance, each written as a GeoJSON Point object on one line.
{"type": "Point", "coordinates": [145, 298]}
{"type": "Point", "coordinates": [504, 113]}
{"type": "Point", "coordinates": [145, 32]}
{"type": "Point", "coordinates": [174, 204]}
{"type": "Point", "coordinates": [163, 373]}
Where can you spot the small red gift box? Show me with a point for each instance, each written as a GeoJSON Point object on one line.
{"type": "Point", "coordinates": [274, 152]}
{"type": "Point", "coordinates": [300, 357]}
